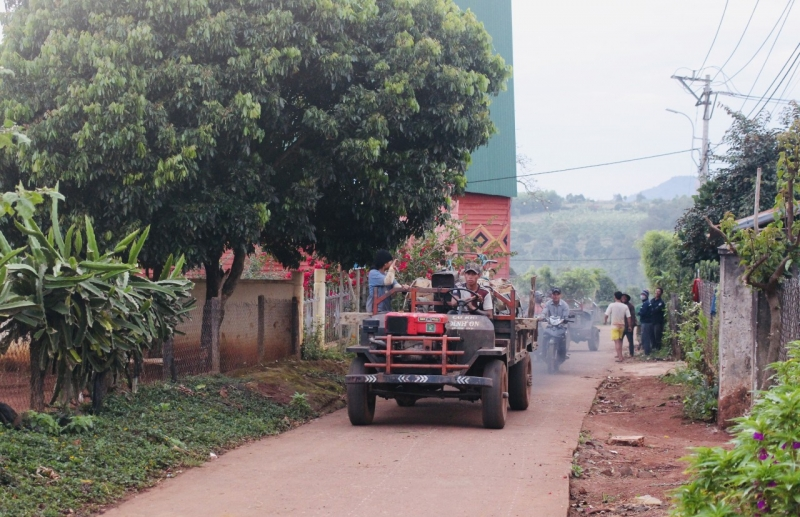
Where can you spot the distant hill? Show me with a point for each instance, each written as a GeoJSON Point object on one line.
{"type": "Point", "coordinates": [672, 188]}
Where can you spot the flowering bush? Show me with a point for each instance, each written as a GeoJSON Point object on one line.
{"type": "Point", "coordinates": [760, 475]}
{"type": "Point", "coordinates": [419, 258]}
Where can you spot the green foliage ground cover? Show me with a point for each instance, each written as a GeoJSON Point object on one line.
{"type": "Point", "coordinates": [138, 440]}
{"type": "Point", "coordinates": [760, 474]}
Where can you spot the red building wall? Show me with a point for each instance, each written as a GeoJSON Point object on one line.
{"type": "Point", "coordinates": [487, 220]}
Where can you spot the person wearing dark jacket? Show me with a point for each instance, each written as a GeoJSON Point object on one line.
{"type": "Point", "coordinates": [646, 321]}
{"type": "Point", "coordinates": [657, 308]}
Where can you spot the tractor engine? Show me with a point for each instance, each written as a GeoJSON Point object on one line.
{"type": "Point", "coordinates": [415, 324]}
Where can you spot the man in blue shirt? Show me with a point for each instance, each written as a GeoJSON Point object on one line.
{"type": "Point", "coordinates": [381, 280]}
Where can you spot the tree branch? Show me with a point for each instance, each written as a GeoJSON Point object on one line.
{"type": "Point", "coordinates": [290, 151]}
{"type": "Point", "coordinates": [233, 275]}
{"type": "Point", "coordinates": [715, 229]}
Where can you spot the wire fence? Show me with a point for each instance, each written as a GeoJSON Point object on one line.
{"type": "Point", "coordinates": [790, 317]}
{"type": "Point", "coordinates": [213, 340]}
{"type": "Point", "coordinates": [709, 299]}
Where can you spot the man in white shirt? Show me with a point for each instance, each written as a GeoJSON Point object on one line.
{"type": "Point", "coordinates": [620, 316]}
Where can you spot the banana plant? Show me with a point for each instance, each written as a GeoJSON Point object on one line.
{"type": "Point", "coordinates": [84, 311]}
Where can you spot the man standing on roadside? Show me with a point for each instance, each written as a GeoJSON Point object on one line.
{"type": "Point", "coordinates": [657, 308]}
{"type": "Point", "coordinates": [620, 317]}
{"type": "Point", "coordinates": [626, 299]}
{"type": "Point", "coordinates": [646, 321]}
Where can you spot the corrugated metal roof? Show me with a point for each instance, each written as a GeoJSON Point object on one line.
{"type": "Point", "coordinates": [498, 159]}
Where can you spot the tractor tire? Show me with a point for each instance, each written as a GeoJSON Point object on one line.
{"type": "Point", "coordinates": [360, 399]}
{"type": "Point", "coordinates": [520, 381]}
{"type": "Point", "coordinates": [493, 400]}
{"type": "Point", "coordinates": [594, 340]}
{"type": "Point", "coordinates": [405, 400]}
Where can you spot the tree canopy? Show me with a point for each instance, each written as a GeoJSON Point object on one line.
{"type": "Point", "coordinates": [334, 127]}
{"type": "Point", "coordinates": [752, 143]}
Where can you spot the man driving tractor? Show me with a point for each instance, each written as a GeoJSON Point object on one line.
{"type": "Point", "coordinates": [481, 304]}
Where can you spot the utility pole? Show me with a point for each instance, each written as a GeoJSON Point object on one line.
{"type": "Point", "coordinates": [704, 100]}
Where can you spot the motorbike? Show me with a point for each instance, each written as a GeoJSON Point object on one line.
{"type": "Point", "coordinates": [554, 342]}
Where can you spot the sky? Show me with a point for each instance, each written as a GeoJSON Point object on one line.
{"type": "Point", "coordinates": [592, 82]}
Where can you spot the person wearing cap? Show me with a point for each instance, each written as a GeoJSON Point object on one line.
{"type": "Point", "coordinates": [658, 310]}
{"type": "Point", "coordinates": [482, 304]}
{"type": "Point", "coordinates": [646, 321]}
{"type": "Point", "coordinates": [381, 279]}
{"type": "Point", "coordinates": [557, 307]}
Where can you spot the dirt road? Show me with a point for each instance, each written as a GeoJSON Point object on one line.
{"type": "Point", "coordinates": [434, 458]}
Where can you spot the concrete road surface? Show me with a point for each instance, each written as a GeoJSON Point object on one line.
{"type": "Point", "coordinates": [431, 459]}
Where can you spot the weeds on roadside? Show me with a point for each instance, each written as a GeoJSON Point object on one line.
{"type": "Point", "coordinates": [577, 470]}
{"type": "Point", "coordinates": [758, 476]}
{"type": "Point", "coordinates": [52, 466]}
{"type": "Point", "coordinates": [315, 349]}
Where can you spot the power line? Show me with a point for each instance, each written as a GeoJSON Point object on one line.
{"type": "Point", "coordinates": [754, 97]}
{"type": "Point", "coordinates": [740, 39]}
{"type": "Point", "coordinates": [776, 78]}
{"type": "Point", "coordinates": [715, 35]}
{"type": "Point", "coordinates": [789, 3]}
{"type": "Point", "coordinates": [584, 167]}
{"type": "Point", "coordinates": [777, 37]}
{"type": "Point", "coordinates": [576, 260]}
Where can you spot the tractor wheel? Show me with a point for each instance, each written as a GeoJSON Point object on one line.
{"type": "Point", "coordinates": [360, 399]}
{"type": "Point", "coordinates": [520, 380]}
{"type": "Point", "coordinates": [405, 400]}
{"type": "Point", "coordinates": [594, 340]}
{"type": "Point", "coordinates": [493, 400]}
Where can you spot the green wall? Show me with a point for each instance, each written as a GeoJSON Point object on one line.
{"type": "Point", "coordinates": [498, 159]}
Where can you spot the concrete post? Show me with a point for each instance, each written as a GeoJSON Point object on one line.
{"type": "Point", "coordinates": [737, 309]}
{"type": "Point", "coordinates": [262, 316]}
{"type": "Point", "coordinates": [298, 294]}
{"type": "Point", "coordinates": [319, 300]}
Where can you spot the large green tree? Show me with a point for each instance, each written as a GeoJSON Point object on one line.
{"type": "Point", "coordinates": [751, 143]}
{"type": "Point", "coordinates": [327, 126]}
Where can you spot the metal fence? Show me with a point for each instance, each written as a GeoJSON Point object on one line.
{"type": "Point", "coordinates": [212, 341]}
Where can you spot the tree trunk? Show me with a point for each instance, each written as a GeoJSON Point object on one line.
{"type": "Point", "coordinates": [774, 302]}
{"type": "Point", "coordinates": [99, 390]}
{"type": "Point", "coordinates": [219, 284]}
{"type": "Point", "coordinates": [37, 377]}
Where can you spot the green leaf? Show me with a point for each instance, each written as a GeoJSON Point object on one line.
{"type": "Point", "coordinates": [92, 252]}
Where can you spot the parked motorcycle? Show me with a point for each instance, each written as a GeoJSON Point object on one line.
{"type": "Point", "coordinates": [554, 342]}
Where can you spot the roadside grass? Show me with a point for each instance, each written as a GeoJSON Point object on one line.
{"type": "Point", "coordinates": [53, 470]}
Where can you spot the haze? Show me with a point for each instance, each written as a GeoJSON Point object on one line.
{"type": "Point", "coordinates": [593, 83]}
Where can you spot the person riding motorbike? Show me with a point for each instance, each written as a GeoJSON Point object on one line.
{"type": "Point", "coordinates": [558, 308]}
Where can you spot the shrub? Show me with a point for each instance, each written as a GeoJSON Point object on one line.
{"type": "Point", "coordinates": [760, 475]}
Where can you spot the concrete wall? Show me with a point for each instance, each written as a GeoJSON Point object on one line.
{"type": "Point", "coordinates": [738, 313]}
{"type": "Point", "coordinates": [240, 327]}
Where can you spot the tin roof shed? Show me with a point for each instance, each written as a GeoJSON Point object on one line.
{"type": "Point", "coordinates": [497, 159]}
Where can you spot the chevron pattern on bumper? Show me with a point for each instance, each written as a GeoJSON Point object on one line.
{"type": "Point", "coordinates": [382, 378]}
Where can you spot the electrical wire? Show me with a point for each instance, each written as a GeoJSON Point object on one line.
{"type": "Point", "coordinates": [584, 166]}
{"type": "Point", "coordinates": [789, 82]}
{"type": "Point", "coordinates": [776, 78]}
{"type": "Point", "coordinates": [754, 97]}
{"type": "Point", "coordinates": [789, 3]}
{"type": "Point", "coordinates": [740, 39]}
{"type": "Point", "coordinates": [715, 35]}
{"type": "Point", "coordinates": [777, 37]}
{"type": "Point", "coordinates": [576, 260]}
